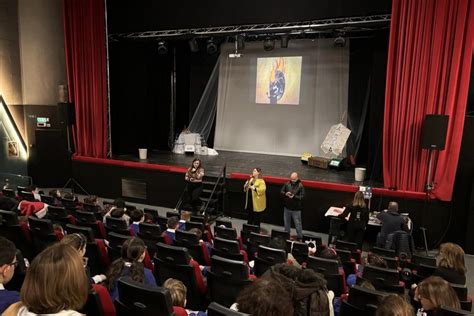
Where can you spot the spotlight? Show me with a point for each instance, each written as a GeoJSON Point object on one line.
{"type": "Point", "coordinates": [268, 43]}
{"type": "Point", "coordinates": [211, 47]}
{"type": "Point", "coordinates": [284, 41]}
{"type": "Point", "coordinates": [162, 48]}
{"type": "Point", "coordinates": [193, 45]}
{"type": "Point", "coordinates": [339, 41]}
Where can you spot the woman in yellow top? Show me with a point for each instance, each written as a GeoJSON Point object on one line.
{"type": "Point", "coordinates": [256, 186]}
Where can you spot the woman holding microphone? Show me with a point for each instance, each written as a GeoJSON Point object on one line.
{"type": "Point", "coordinates": [255, 186]}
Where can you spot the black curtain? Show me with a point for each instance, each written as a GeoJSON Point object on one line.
{"type": "Point", "coordinates": [367, 72]}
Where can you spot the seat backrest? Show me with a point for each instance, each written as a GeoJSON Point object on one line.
{"type": "Point", "coordinates": [47, 199]}
{"type": "Point", "coordinates": [346, 245]}
{"type": "Point", "coordinates": [27, 196]}
{"type": "Point", "coordinates": [226, 245]}
{"type": "Point", "coordinates": [116, 240]}
{"type": "Point", "coordinates": [143, 299]}
{"type": "Point", "coordinates": [40, 226]}
{"type": "Point", "coordinates": [93, 305]}
{"type": "Point", "coordinates": [8, 193]}
{"type": "Point", "coordinates": [171, 214]}
{"type": "Point", "coordinates": [152, 212]}
{"type": "Point", "coordinates": [232, 269]}
{"type": "Point", "coordinates": [172, 254]}
{"type": "Point", "coordinates": [223, 222]}
{"type": "Point", "coordinates": [344, 255]}
{"type": "Point", "coordinates": [86, 231]}
{"type": "Point", "coordinates": [55, 212]}
{"type": "Point", "coordinates": [198, 219]}
{"type": "Point", "coordinates": [388, 276]}
{"type": "Point", "coordinates": [185, 238]}
{"type": "Point", "coordinates": [324, 266]}
{"type": "Point", "coordinates": [225, 232]}
{"type": "Point", "coordinates": [162, 221]}
{"type": "Point", "coordinates": [361, 297]}
{"type": "Point", "coordinates": [259, 239]}
{"type": "Point", "coordinates": [250, 228]}
{"type": "Point", "coordinates": [280, 234]}
{"type": "Point", "coordinates": [317, 239]}
{"type": "Point", "coordinates": [429, 261]}
{"type": "Point", "coordinates": [215, 309]}
{"type": "Point", "coordinates": [88, 207]}
{"type": "Point", "coordinates": [271, 255]}
{"type": "Point", "coordinates": [448, 311]}
{"type": "Point", "coordinates": [199, 225]}
{"type": "Point", "coordinates": [461, 291]}
{"type": "Point", "coordinates": [68, 203]}
{"type": "Point", "coordinates": [149, 231]}
{"type": "Point", "coordinates": [383, 252]}
{"type": "Point", "coordinates": [8, 218]}
{"type": "Point", "coordinates": [115, 224]}
{"type": "Point", "coordinates": [86, 217]}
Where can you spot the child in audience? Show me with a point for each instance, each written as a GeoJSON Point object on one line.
{"type": "Point", "coordinates": [394, 305]}
{"type": "Point", "coordinates": [8, 263]}
{"type": "Point", "coordinates": [56, 195]}
{"type": "Point", "coordinates": [451, 266]}
{"type": "Point", "coordinates": [93, 200]}
{"type": "Point", "coordinates": [434, 292]}
{"type": "Point", "coordinates": [136, 216]}
{"type": "Point", "coordinates": [263, 297]}
{"type": "Point", "coordinates": [116, 212]}
{"type": "Point", "coordinates": [185, 217]}
{"type": "Point", "coordinates": [35, 190]}
{"type": "Point", "coordinates": [148, 218]}
{"type": "Point", "coordinates": [178, 295]}
{"type": "Point", "coordinates": [70, 196]}
{"type": "Point", "coordinates": [198, 233]}
{"type": "Point", "coordinates": [55, 284]}
{"type": "Point", "coordinates": [372, 260]}
{"type": "Point", "coordinates": [279, 243]}
{"type": "Point", "coordinates": [79, 242]}
{"type": "Point", "coordinates": [130, 264]}
{"type": "Point", "coordinates": [311, 296]}
{"type": "Point", "coordinates": [172, 225]}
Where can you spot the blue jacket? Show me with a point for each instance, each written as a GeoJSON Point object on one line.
{"type": "Point", "coordinates": [8, 298]}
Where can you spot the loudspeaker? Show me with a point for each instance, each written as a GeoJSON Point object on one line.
{"type": "Point", "coordinates": [67, 113]}
{"type": "Point", "coordinates": [433, 135]}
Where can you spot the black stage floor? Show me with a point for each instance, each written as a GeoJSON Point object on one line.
{"type": "Point", "coordinates": [271, 165]}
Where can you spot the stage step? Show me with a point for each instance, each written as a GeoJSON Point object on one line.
{"type": "Point", "coordinates": [211, 201]}
{"type": "Point", "coordinates": [209, 191]}
{"type": "Point", "coordinates": [211, 183]}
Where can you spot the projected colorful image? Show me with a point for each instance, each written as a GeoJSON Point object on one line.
{"type": "Point", "coordinates": [278, 80]}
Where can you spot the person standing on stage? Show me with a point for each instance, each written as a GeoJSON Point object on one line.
{"type": "Point", "coordinates": [193, 188]}
{"type": "Point", "coordinates": [256, 187]}
{"type": "Point", "coordinates": [293, 194]}
{"type": "Point", "coordinates": [359, 217]}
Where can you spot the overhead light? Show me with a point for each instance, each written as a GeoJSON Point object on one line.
{"type": "Point", "coordinates": [284, 41]}
{"type": "Point", "coordinates": [211, 47]}
{"type": "Point", "coordinates": [339, 41]}
{"type": "Point", "coordinates": [268, 43]}
{"type": "Point", "coordinates": [240, 42]}
{"type": "Point", "coordinates": [193, 45]}
{"type": "Point", "coordinates": [162, 48]}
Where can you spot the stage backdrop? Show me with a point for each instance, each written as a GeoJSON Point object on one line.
{"type": "Point", "coordinates": [283, 101]}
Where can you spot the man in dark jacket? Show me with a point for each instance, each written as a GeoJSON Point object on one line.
{"type": "Point", "coordinates": [293, 194]}
{"type": "Point", "coordinates": [391, 220]}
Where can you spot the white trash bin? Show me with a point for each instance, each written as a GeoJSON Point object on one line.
{"type": "Point", "coordinates": [359, 174]}
{"type": "Point", "coordinates": [142, 153]}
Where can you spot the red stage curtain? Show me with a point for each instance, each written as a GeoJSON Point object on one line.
{"type": "Point", "coordinates": [429, 61]}
{"type": "Point", "coordinates": [85, 43]}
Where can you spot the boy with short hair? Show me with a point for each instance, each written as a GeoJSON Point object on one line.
{"type": "Point", "coordinates": [136, 216]}
{"type": "Point", "coordinates": [172, 225]}
{"type": "Point", "coordinates": [7, 269]}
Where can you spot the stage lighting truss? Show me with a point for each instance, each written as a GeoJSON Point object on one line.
{"type": "Point", "coordinates": [361, 23]}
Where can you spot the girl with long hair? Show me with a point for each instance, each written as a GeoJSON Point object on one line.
{"type": "Point", "coordinates": [193, 188]}
{"type": "Point", "coordinates": [359, 217]}
{"type": "Point", "coordinates": [130, 264]}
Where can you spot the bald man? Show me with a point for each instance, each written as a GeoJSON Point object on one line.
{"type": "Point", "coordinates": [293, 194]}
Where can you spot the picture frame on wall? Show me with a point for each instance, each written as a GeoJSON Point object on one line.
{"type": "Point", "coordinates": [13, 149]}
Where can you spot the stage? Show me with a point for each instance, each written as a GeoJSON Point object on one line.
{"type": "Point", "coordinates": [243, 163]}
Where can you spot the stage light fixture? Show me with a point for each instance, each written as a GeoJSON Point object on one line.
{"type": "Point", "coordinates": [240, 42]}
{"type": "Point", "coordinates": [193, 45]}
{"type": "Point", "coordinates": [211, 47]}
{"type": "Point", "coordinates": [284, 41]}
{"type": "Point", "coordinates": [268, 44]}
{"type": "Point", "coordinates": [162, 48]}
{"type": "Point", "coordinates": [339, 41]}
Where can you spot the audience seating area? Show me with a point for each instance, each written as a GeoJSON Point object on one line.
{"type": "Point", "coordinates": [215, 267]}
